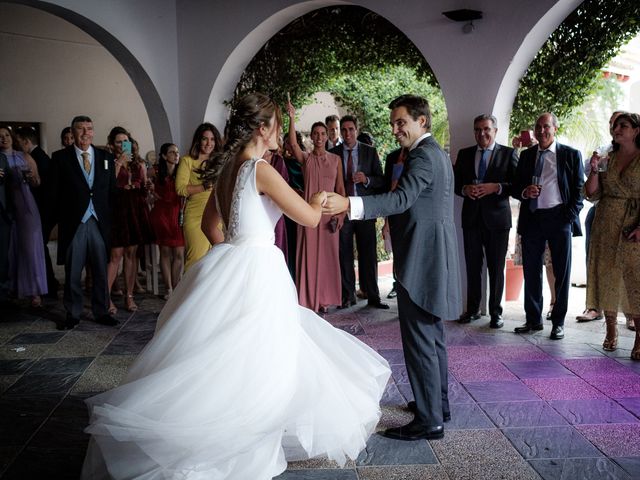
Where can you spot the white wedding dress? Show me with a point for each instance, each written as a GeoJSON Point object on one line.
{"type": "Point", "coordinates": [238, 378]}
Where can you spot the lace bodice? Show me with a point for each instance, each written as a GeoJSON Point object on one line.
{"type": "Point", "coordinates": [253, 216]}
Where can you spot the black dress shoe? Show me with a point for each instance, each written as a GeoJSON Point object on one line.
{"type": "Point", "coordinates": [526, 328]}
{"type": "Point", "coordinates": [496, 322]}
{"type": "Point", "coordinates": [414, 431]}
{"type": "Point", "coordinates": [378, 304]}
{"type": "Point", "coordinates": [468, 317]}
{"type": "Point", "coordinates": [68, 323]}
{"type": "Point", "coordinates": [348, 303]}
{"type": "Point", "coordinates": [107, 320]}
{"type": "Point", "coordinates": [412, 407]}
{"type": "Point", "coordinates": [557, 333]}
{"type": "Point", "coordinates": [392, 293]}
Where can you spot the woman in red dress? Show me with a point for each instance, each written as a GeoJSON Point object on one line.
{"type": "Point", "coordinates": [130, 225]}
{"type": "Point", "coordinates": [165, 218]}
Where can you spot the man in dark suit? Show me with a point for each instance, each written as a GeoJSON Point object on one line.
{"type": "Point", "coordinates": [6, 212]}
{"type": "Point", "coordinates": [86, 182]}
{"type": "Point", "coordinates": [44, 195]}
{"type": "Point", "coordinates": [425, 254]}
{"type": "Point", "coordinates": [483, 177]}
{"type": "Point", "coordinates": [362, 177]}
{"type": "Point", "coordinates": [333, 132]}
{"type": "Point", "coordinates": [548, 183]}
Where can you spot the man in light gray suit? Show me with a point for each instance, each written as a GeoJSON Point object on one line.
{"type": "Point", "coordinates": [425, 253]}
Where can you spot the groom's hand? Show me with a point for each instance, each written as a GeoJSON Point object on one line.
{"type": "Point", "coordinates": [335, 204]}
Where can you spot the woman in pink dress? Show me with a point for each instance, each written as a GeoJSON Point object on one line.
{"type": "Point", "coordinates": [317, 260]}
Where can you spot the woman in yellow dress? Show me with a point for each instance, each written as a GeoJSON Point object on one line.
{"type": "Point", "coordinates": [206, 142]}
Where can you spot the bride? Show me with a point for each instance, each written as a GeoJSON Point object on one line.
{"type": "Point", "coordinates": [238, 378]}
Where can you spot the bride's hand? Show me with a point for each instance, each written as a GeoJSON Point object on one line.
{"type": "Point", "coordinates": [319, 198]}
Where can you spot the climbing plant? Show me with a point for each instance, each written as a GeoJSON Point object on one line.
{"type": "Point", "coordinates": [566, 70]}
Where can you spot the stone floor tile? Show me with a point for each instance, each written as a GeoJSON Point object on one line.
{"type": "Point", "coordinates": [617, 386]}
{"type": "Point", "coordinates": [15, 366]}
{"type": "Point", "coordinates": [480, 371]}
{"type": "Point", "coordinates": [538, 369]}
{"type": "Point", "coordinates": [399, 373]}
{"type": "Point", "coordinates": [403, 472]}
{"type": "Point", "coordinates": [467, 416]}
{"type": "Point", "coordinates": [105, 372]}
{"type": "Point", "coordinates": [354, 329]}
{"type": "Point", "coordinates": [80, 343]}
{"type": "Point", "coordinates": [46, 366]}
{"type": "Point", "coordinates": [633, 365]}
{"type": "Point", "coordinates": [22, 351]}
{"type": "Point", "coordinates": [392, 396]}
{"type": "Point", "coordinates": [479, 455]}
{"type": "Point", "coordinates": [571, 351]}
{"type": "Point", "coordinates": [319, 463]}
{"type": "Point", "coordinates": [36, 338]}
{"type": "Point", "coordinates": [393, 417]}
{"type": "Point", "coordinates": [29, 405]}
{"type": "Point", "coordinates": [615, 440]}
{"type": "Point", "coordinates": [587, 367]}
{"type": "Point", "coordinates": [318, 475]}
{"type": "Point", "coordinates": [568, 388]}
{"type": "Point", "coordinates": [500, 391]}
{"type": "Point", "coordinates": [592, 411]}
{"type": "Point", "coordinates": [579, 469]}
{"type": "Point", "coordinates": [458, 394]}
{"type": "Point", "coordinates": [16, 430]}
{"type": "Point", "coordinates": [7, 455]}
{"type": "Point", "coordinates": [386, 451]}
{"type": "Point", "coordinates": [62, 433]}
{"type": "Point", "coordinates": [631, 465]}
{"type": "Point", "coordinates": [522, 414]}
{"type": "Point", "coordinates": [34, 463]}
{"type": "Point", "coordinates": [550, 442]}
{"type": "Point", "coordinates": [6, 381]}
{"type": "Point", "coordinates": [632, 404]}
{"type": "Point", "coordinates": [54, 384]}
{"type": "Point", "coordinates": [393, 356]}
{"type": "Point", "coordinates": [128, 343]}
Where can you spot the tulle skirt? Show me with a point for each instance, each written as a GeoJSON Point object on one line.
{"type": "Point", "coordinates": [237, 380]}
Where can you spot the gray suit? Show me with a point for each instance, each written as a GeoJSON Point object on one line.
{"type": "Point", "coordinates": [425, 254]}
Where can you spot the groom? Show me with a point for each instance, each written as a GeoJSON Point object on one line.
{"type": "Point", "coordinates": [425, 252]}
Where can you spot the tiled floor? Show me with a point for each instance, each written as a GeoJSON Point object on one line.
{"type": "Point", "coordinates": [523, 407]}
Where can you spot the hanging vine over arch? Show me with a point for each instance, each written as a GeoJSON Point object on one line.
{"type": "Point", "coordinates": [567, 68]}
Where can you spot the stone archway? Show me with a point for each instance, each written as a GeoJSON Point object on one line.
{"type": "Point", "coordinates": [143, 84]}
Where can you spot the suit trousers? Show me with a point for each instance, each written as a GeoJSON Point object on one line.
{"type": "Point", "coordinates": [425, 354]}
{"type": "Point", "coordinates": [548, 225]}
{"type": "Point", "coordinates": [52, 282]}
{"type": "Point", "coordinates": [87, 245]}
{"type": "Point", "coordinates": [481, 242]}
{"type": "Point", "coordinates": [365, 233]}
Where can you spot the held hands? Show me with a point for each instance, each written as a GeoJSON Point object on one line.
{"type": "Point", "coordinates": [532, 191]}
{"type": "Point", "coordinates": [335, 204]}
{"type": "Point", "coordinates": [319, 198]}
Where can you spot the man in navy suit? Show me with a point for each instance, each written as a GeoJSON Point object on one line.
{"type": "Point", "coordinates": [86, 184]}
{"type": "Point", "coordinates": [548, 213]}
{"type": "Point", "coordinates": [483, 176]}
{"type": "Point", "coordinates": [362, 177]}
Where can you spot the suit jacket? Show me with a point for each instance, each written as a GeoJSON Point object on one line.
{"type": "Point", "coordinates": [44, 194]}
{"type": "Point", "coordinates": [493, 211]}
{"type": "Point", "coordinates": [369, 164]}
{"type": "Point", "coordinates": [74, 195]}
{"type": "Point", "coordinates": [423, 232]}
{"type": "Point", "coordinates": [570, 181]}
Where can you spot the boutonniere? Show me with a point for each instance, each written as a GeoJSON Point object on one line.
{"type": "Point", "coordinates": [106, 164]}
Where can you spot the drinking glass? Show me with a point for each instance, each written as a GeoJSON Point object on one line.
{"type": "Point", "coordinates": [537, 181]}
{"type": "Point", "coordinates": [603, 157]}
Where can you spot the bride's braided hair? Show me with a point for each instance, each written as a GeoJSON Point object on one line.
{"type": "Point", "coordinates": [248, 114]}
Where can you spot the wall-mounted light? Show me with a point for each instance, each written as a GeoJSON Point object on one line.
{"type": "Point", "coordinates": [464, 15]}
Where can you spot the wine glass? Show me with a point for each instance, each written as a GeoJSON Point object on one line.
{"type": "Point", "coordinates": [603, 157]}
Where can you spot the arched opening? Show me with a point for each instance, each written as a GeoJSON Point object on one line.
{"type": "Point", "coordinates": [70, 65]}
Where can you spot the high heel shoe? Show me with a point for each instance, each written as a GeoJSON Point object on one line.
{"type": "Point", "coordinates": [610, 343]}
{"type": "Point", "coordinates": [630, 324]}
{"type": "Point", "coordinates": [36, 301]}
{"type": "Point", "coordinates": [112, 308]}
{"type": "Point", "coordinates": [130, 304]}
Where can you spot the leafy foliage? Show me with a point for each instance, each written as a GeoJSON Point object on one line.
{"type": "Point", "coordinates": [355, 54]}
{"type": "Point", "coordinates": [566, 70]}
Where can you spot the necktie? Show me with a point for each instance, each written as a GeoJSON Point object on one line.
{"type": "Point", "coordinates": [350, 187]}
{"type": "Point", "coordinates": [86, 162]}
{"type": "Point", "coordinates": [482, 167]}
{"type": "Point", "coordinates": [537, 172]}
